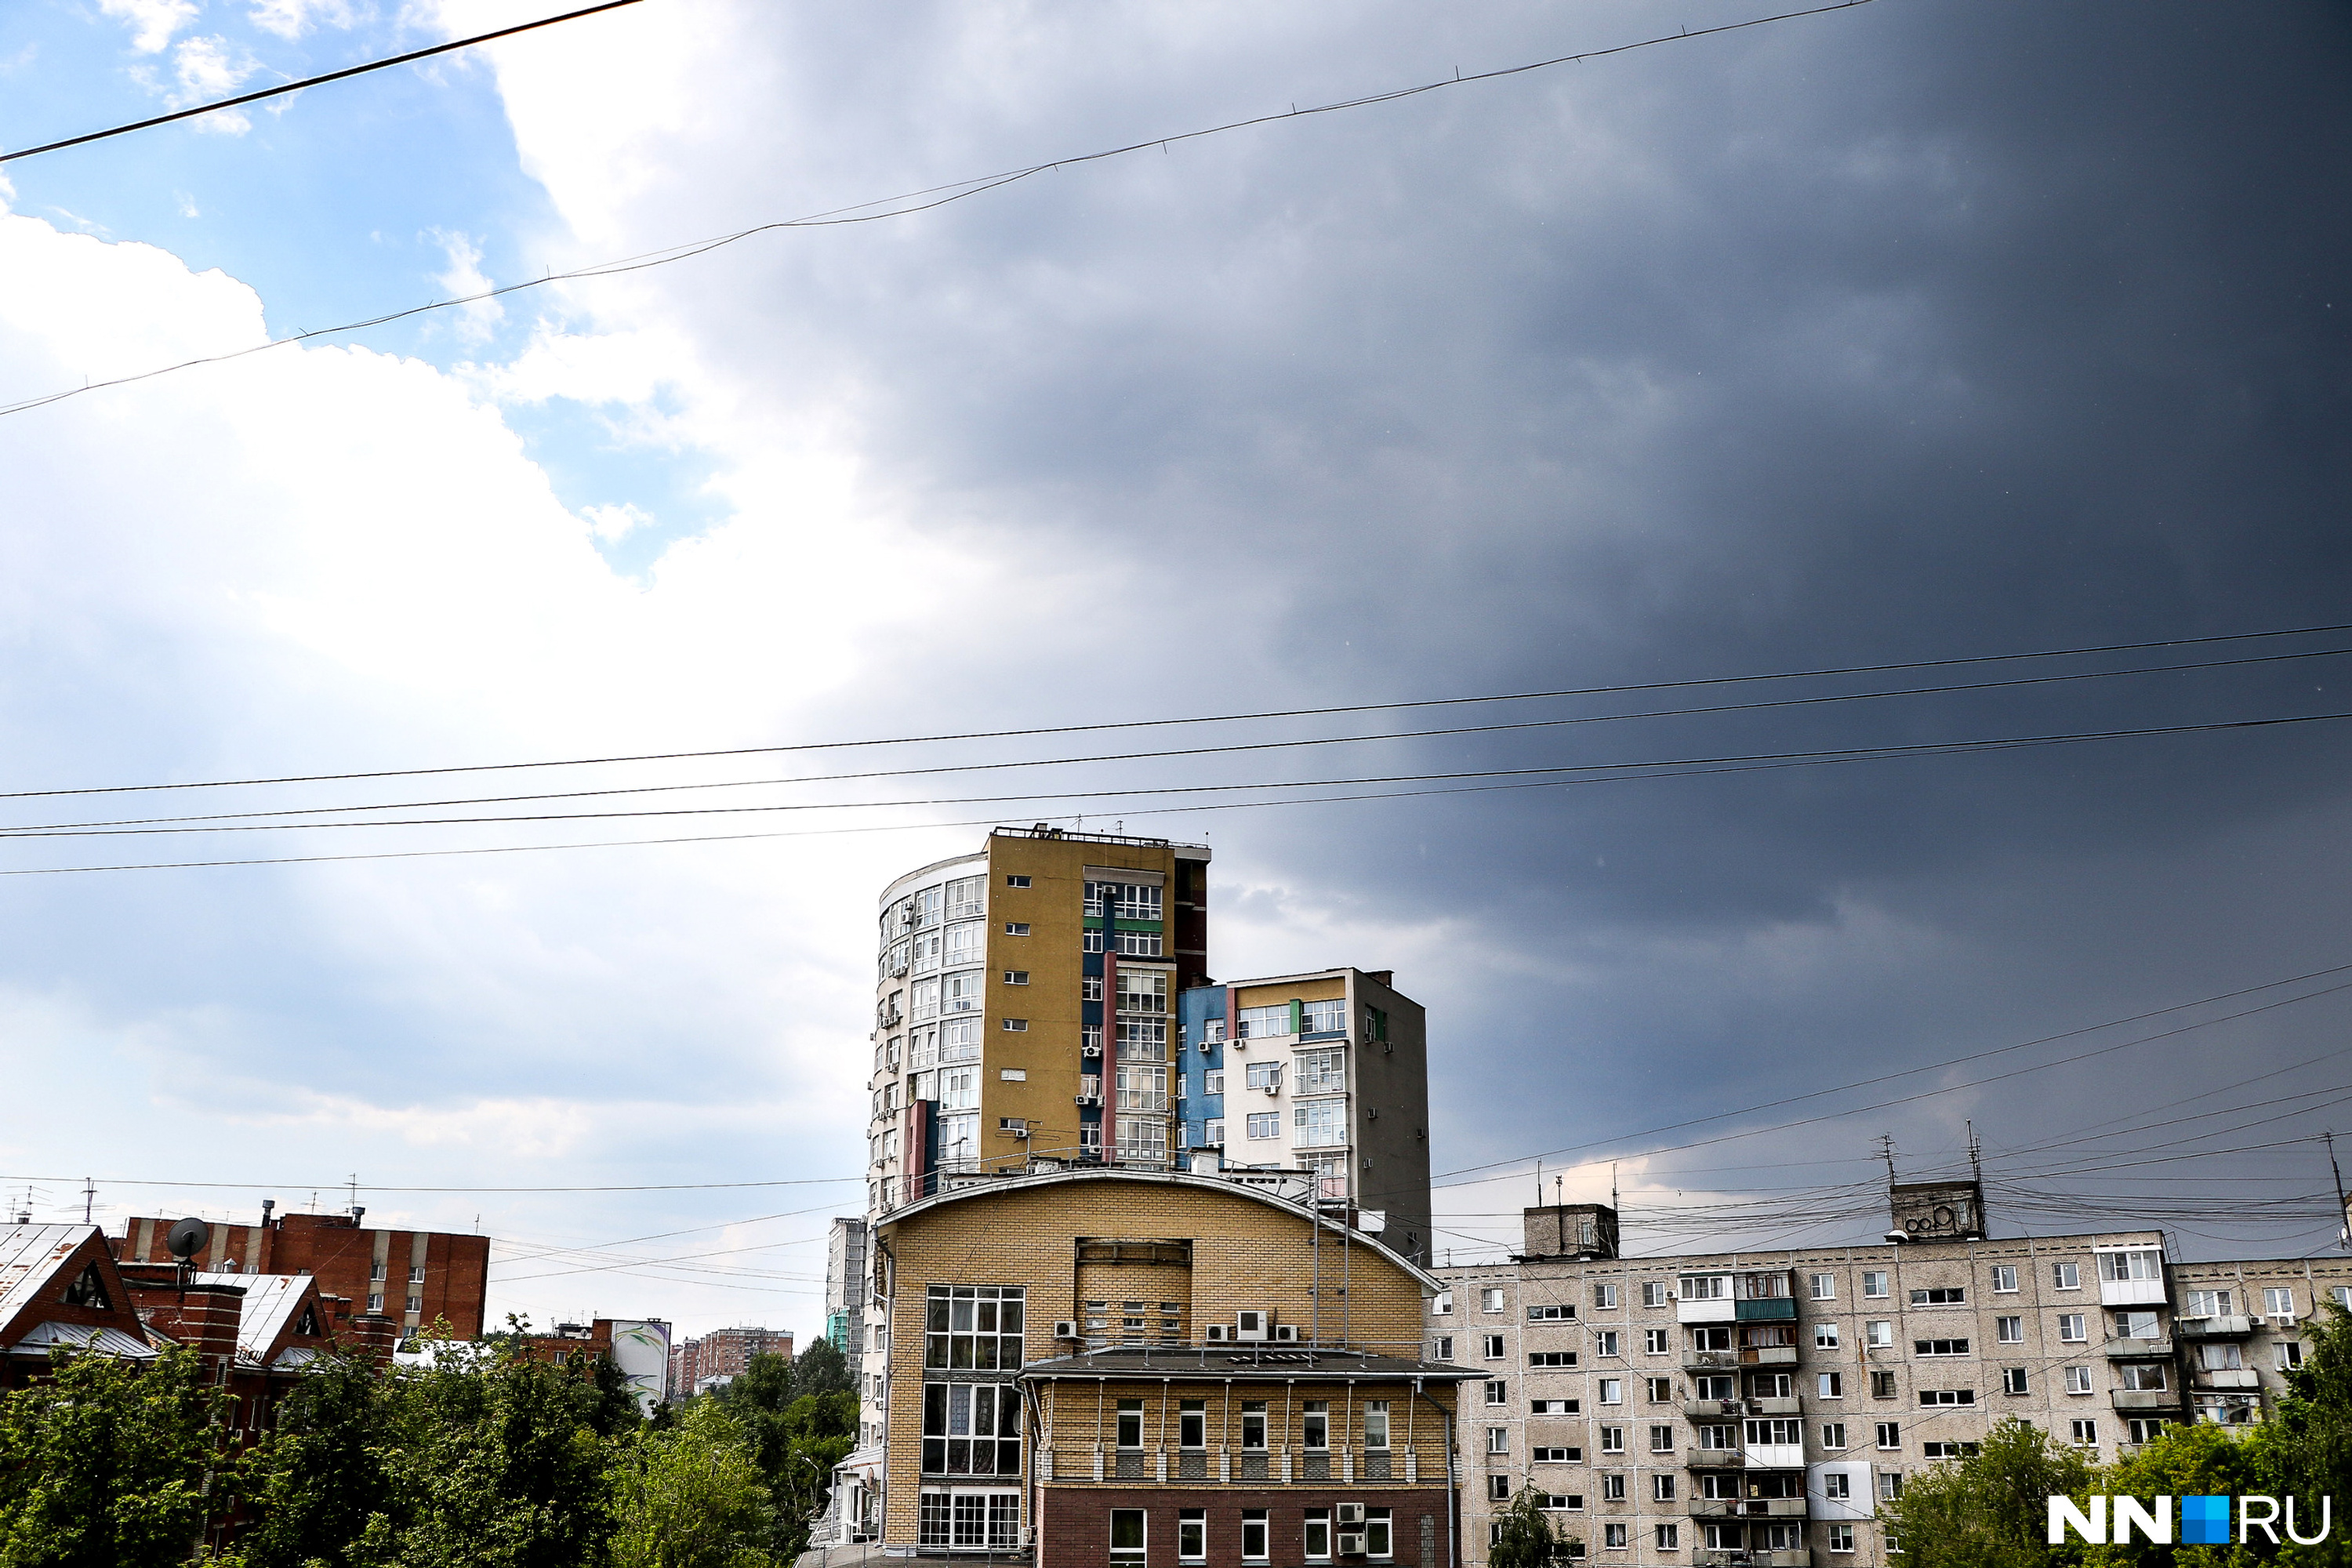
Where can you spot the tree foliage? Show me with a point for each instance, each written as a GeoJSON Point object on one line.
{"type": "Point", "coordinates": [1991, 1510]}
{"type": "Point", "coordinates": [107, 1462]}
{"type": "Point", "coordinates": [1524, 1536]}
{"type": "Point", "coordinates": [690, 1494]}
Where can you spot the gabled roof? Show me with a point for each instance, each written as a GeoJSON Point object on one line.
{"type": "Point", "coordinates": [272, 1304]}
{"type": "Point", "coordinates": [45, 1337]}
{"type": "Point", "coordinates": [40, 1265]}
{"type": "Point", "coordinates": [32, 1257]}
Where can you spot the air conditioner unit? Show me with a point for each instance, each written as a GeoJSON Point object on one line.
{"type": "Point", "coordinates": [1089, 1051]}
{"type": "Point", "coordinates": [1216, 1333]}
{"type": "Point", "coordinates": [1351, 1513]}
{"type": "Point", "coordinates": [1065, 1328]}
{"type": "Point", "coordinates": [1272, 1086]}
{"type": "Point", "coordinates": [1251, 1325]}
{"type": "Point", "coordinates": [1285, 1333]}
{"type": "Point", "coordinates": [1351, 1543]}
{"type": "Point", "coordinates": [1090, 1100]}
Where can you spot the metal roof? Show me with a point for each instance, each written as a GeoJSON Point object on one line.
{"type": "Point", "coordinates": [271, 1300]}
{"type": "Point", "coordinates": [31, 1257]}
{"type": "Point", "coordinates": [80, 1337]}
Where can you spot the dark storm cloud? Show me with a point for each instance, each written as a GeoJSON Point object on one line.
{"type": "Point", "coordinates": [1908, 331]}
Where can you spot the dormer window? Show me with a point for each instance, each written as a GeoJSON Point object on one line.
{"type": "Point", "coordinates": [89, 1291]}
{"type": "Point", "coordinates": [307, 1323]}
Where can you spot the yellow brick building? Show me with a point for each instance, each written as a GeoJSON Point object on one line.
{"type": "Point", "coordinates": [1127, 1369]}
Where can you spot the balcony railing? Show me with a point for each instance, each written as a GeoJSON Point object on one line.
{"type": "Point", "coordinates": [2223, 1328]}
{"type": "Point", "coordinates": [2133, 1349]}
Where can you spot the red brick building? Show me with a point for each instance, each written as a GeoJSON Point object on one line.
{"type": "Point", "coordinates": [722, 1353]}
{"type": "Point", "coordinates": [412, 1276]}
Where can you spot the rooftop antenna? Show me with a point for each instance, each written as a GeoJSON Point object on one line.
{"type": "Point", "coordinates": [1612, 1183]}
{"type": "Point", "coordinates": [89, 1198]}
{"type": "Point", "coordinates": [355, 1195]}
{"type": "Point", "coordinates": [1539, 1183]}
{"type": "Point", "coordinates": [1976, 1154]}
{"type": "Point", "coordinates": [1886, 1152]}
{"type": "Point", "coordinates": [2343, 1236]}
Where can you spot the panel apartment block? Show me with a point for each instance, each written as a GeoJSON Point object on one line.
{"type": "Point", "coordinates": [1689, 1409]}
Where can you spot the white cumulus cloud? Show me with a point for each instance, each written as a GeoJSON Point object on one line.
{"type": "Point", "coordinates": [209, 67]}
{"type": "Point", "coordinates": [292, 18]}
{"type": "Point", "coordinates": [152, 22]}
{"type": "Point", "coordinates": [478, 318]}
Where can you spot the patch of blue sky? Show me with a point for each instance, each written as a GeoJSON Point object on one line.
{"type": "Point", "coordinates": [333, 205]}
{"type": "Point", "coordinates": [637, 498]}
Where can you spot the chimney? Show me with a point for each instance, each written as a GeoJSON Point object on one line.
{"type": "Point", "coordinates": [201, 1316]}
{"type": "Point", "coordinates": [1580, 1231]}
{"type": "Point", "coordinates": [373, 1335]}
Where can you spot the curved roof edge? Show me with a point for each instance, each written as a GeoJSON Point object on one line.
{"type": "Point", "coordinates": [891, 890]}
{"type": "Point", "coordinates": [1429, 1282]}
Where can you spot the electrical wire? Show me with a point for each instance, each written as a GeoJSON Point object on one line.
{"type": "Point", "coordinates": [63, 828]}
{"type": "Point", "coordinates": [242, 98]}
{"type": "Point", "coordinates": [910, 202]}
{"type": "Point", "coordinates": [1246, 717]}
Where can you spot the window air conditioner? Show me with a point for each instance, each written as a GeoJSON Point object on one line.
{"type": "Point", "coordinates": [1216, 1333]}
{"type": "Point", "coordinates": [1066, 1329]}
{"type": "Point", "coordinates": [1351, 1543]}
{"type": "Point", "coordinates": [1351, 1513]}
{"type": "Point", "coordinates": [1272, 1086]}
{"type": "Point", "coordinates": [1285, 1333]}
{"type": "Point", "coordinates": [1250, 1325]}
{"type": "Point", "coordinates": [1090, 1100]}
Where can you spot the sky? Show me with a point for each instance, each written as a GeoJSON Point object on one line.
{"type": "Point", "coordinates": [1903, 334]}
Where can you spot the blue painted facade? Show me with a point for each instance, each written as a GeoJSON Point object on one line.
{"type": "Point", "coordinates": [1197, 1056]}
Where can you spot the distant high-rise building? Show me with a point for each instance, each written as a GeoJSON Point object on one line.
{"type": "Point", "coordinates": [1022, 1004]}
{"type": "Point", "coordinates": [846, 1289]}
{"type": "Point", "coordinates": [698, 1365]}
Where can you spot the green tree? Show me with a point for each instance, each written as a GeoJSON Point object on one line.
{"type": "Point", "coordinates": [691, 1496]}
{"type": "Point", "coordinates": [2304, 1450]}
{"type": "Point", "coordinates": [108, 1464]}
{"type": "Point", "coordinates": [822, 1370]}
{"type": "Point", "coordinates": [1991, 1510]}
{"type": "Point", "coordinates": [319, 1479]}
{"type": "Point", "coordinates": [2202, 1459]}
{"type": "Point", "coordinates": [1524, 1536]}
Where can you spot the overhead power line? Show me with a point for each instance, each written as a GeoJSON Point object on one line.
{"type": "Point", "coordinates": [249, 818]}
{"type": "Point", "coordinates": [906, 204]}
{"type": "Point", "coordinates": [268, 93]}
{"type": "Point", "coordinates": [1329, 710]}
{"type": "Point", "coordinates": [1550, 771]}
{"type": "Point", "coordinates": [341, 1185]}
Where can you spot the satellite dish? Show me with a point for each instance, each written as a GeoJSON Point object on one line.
{"type": "Point", "coordinates": [187, 1239]}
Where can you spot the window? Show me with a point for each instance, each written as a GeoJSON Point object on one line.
{"type": "Point", "coordinates": [2141, 1263]}
{"type": "Point", "coordinates": [1264, 1124]}
{"type": "Point", "coordinates": [2219, 1358]}
{"type": "Point", "coordinates": [1612, 1439]}
{"type": "Point", "coordinates": [961, 993]}
{"type": "Point", "coordinates": [2290, 1356]}
{"type": "Point", "coordinates": [1947, 1450]}
{"type": "Point", "coordinates": [1442, 1348]}
{"type": "Point", "coordinates": [1834, 1434]}
{"type": "Point", "coordinates": [1830, 1384]}
{"type": "Point", "coordinates": [2207, 1304]}
{"type": "Point", "coordinates": [1890, 1434]}
{"type": "Point", "coordinates": [1659, 1390]}
{"type": "Point", "coordinates": [1878, 1334]}
{"type": "Point", "coordinates": [2278, 1301]}
{"type": "Point", "coordinates": [1718, 1436]}
{"type": "Point", "coordinates": [1213, 1081]}
{"type": "Point", "coordinates": [1661, 1439]}
{"type": "Point", "coordinates": [963, 943]}
{"type": "Point", "coordinates": [1776, 1433]}
{"type": "Point", "coordinates": [1553, 1503]}
{"type": "Point", "coordinates": [1612, 1488]}
{"type": "Point", "coordinates": [1321, 1072]}
{"type": "Point", "coordinates": [2065, 1276]}
{"type": "Point", "coordinates": [2137, 1326]}
{"type": "Point", "coordinates": [1709, 1338]}
{"type": "Point", "coordinates": [1490, 1300]}
{"type": "Point", "coordinates": [1253, 1424]}
{"type": "Point", "coordinates": [375, 1270]}
{"type": "Point", "coordinates": [1498, 1487]}
{"type": "Point", "coordinates": [2004, 1278]}
{"type": "Point", "coordinates": [1654, 1293]}
{"type": "Point", "coordinates": [1127, 1537]}
{"type": "Point", "coordinates": [1498, 1392]}
{"type": "Point", "coordinates": [1212, 1131]}
{"type": "Point", "coordinates": [1253, 1535]}
{"type": "Point", "coordinates": [1874, 1283]}
{"type": "Point", "coordinates": [2083, 1432]}
{"type": "Point", "coordinates": [375, 1301]}
{"type": "Point", "coordinates": [1376, 1424]}
{"type": "Point", "coordinates": [1939, 1296]}
{"type": "Point", "coordinates": [1491, 1346]}
{"type": "Point", "coordinates": [1837, 1486]}
{"type": "Point", "coordinates": [1613, 1536]}
{"type": "Point", "coordinates": [1378, 1534]}
{"type": "Point", "coordinates": [1498, 1440]}
{"type": "Point", "coordinates": [2145, 1428]}
{"type": "Point", "coordinates": [2151, 1375]}
{"type": "Point", "coordinates": [2078, 1378]}
{"type": "Point", "coordinates": [1553, 1358]}
{"type": "Point", "coordinates": [1890, 1485]}
{"type": "Point", "coordinates": [1442, 1304]}
{"type": "Point", "coordinates": [1130, 1424]}
{"type": "Point", "coordinates": [972, 1429]}
{"type": "Point", "coordinates": [1320, 1124]}
{"type": "Point", "coordinates": [1557, 1312]}
{"type": "Point", "coordinates": [1557, 1455]}
{"type": "Point", "coordinates": [1935, 1396]}
{"type": "Point", "coordinates": [1825, 1286]}
{"type": "Point", "coordinates": [416, 1303]}
{"type": "Point", "coordinates": [972, 1327]}
{"type": "Point", "coordinates": [1670, 1537]}
{"type": "Point", "coordinates": [1661, 1488]}
{"type": "Point", "coordinates": [1825, 1336]}
{"type": "Point", "coordinates": [1016, 881]}
{"type": "Point", "coordinates": [416, 1274]}
{"type": "Point", "coordinates": [2341, 1295]}
{"type": "Point", "coordinates": [2072, 1329]}
{"type": "Point", "coordinates": [1263, 1075]}
{"type": "Point", "coordinates": [1315, 1420]}
{"type": "Point", "coordinates": [1611, 1391]}
{"type": "Point", "coordinates": [1604, 1297]}
{"type": "Point", "coordinates": [1841, 1535]}
{"type": "Point", "coordinates": [1016, 977]}
{"type": "Point", "coordinates": [1706, 1287]}
{"type": "Point", "coordinates": [1939, 1347]}
{"type": "Point", "coordinates": [1192, 1535]}
{"type": "Point", "coordinates": [1654, 1341]}
{"type": "Point", "coordinates": [1882, 1386]}
{"type": "Point", "coordinates": [1604, 1342]}
{"type": "Point", "coordinates": [2013, 1380]}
